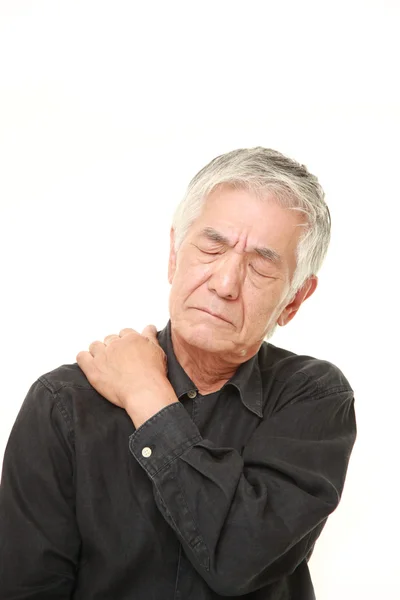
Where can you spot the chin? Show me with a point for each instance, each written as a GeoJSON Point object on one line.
{"type": "Point", "coordinates": [204, 336]}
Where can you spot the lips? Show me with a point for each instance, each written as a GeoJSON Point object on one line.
{"type": "Point", "coordinates": [214, 314]}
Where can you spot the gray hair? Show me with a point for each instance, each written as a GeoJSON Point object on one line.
{"type": "Point", "coordinates": [259, 171]}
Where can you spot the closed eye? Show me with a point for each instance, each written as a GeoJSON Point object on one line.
{"type": "Point", "coordinates": [206, 252]}
{"type": "Point", "coordinates": [260, 274]}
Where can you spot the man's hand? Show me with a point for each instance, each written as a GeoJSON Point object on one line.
{"type": "Point", "coordinates": [130, 370]}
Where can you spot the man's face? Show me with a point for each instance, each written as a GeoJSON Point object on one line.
{"type": "Point", "coordinates": [232, 271]}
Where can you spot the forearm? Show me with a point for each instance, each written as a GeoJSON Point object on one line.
{"type": "Point", "coordinates": [242, 520]}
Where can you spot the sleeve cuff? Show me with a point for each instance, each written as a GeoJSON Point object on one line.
{"type": "Point", "coordinates": [163, 438]}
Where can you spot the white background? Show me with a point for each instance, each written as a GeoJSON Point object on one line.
{"type": "Point", "coordinates": [107, 109]}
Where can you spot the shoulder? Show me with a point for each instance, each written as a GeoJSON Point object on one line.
{"type": "Point", "coordinates": [46, 409]}
{"type": "Point", "coordinates": [53, 395]}
{"type": "Point", "coordinates": [298, 373]}
{"type": "Point", "coordinates": [68, 375]}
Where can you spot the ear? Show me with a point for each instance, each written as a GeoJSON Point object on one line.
{"type": "Point", "coordinates": [307, 289]}
{"type": "Point", "coordinates": [172, 256]}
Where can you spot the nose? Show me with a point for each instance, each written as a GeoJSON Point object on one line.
{"type": "Point", "coordinates": [227, 277]}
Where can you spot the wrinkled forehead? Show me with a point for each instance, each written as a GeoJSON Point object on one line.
{"type": "Point", "coordinates": [233, 216]}
{"type": "Point", "coordinates": [240, 211]}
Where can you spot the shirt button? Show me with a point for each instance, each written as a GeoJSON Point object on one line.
{"type": "Point", "coordinates": [146, 452]}
{"type": "Point", "coordinates": [192, 394]}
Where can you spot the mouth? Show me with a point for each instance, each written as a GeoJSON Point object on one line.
{"type": "Point", "coordinates": [215, 315]}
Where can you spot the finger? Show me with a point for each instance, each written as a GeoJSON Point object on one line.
{"type": "Point", "coordinates": [111, 338]}
{"type": "Point", "coordinates": [85, 362]}
{"type": "Point", "coordinates": [126, 331]}
{"type": "Point", "coordinates": [150, 331]}
{"type": "Point", "coordinates": [96, 347]}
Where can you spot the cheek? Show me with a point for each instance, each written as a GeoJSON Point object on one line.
{"type": "Point", "coordinates": [189, 276]}
{"type": "Point", "coordinates": [260, 304]}
{"type": "Point", "coordinates": [192, 270]}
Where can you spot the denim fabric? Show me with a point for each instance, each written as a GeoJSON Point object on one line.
{"type": "Point", "coordinates": [222, 495]}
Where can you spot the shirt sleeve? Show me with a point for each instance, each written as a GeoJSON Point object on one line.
{"type": "Point", "coordinates": [246, 520]}
{"type": "Point", "coordinates": [39, 540]}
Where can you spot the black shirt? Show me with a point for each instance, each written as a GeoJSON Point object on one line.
{"type": "Point", "coordinates": [222, 495]}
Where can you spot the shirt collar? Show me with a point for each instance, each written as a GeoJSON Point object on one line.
{"type": "Point", "coordinates": [247, 378]}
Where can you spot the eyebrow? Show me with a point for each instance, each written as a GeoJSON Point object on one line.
{"type": "Point", "coordinates": [267, 253]}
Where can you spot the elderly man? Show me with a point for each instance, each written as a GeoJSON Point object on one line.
{"type": "Point", "coordinates": [201, 461]}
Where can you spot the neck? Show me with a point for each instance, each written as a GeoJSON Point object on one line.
{"type": "Point", "coordinates": [208, 371]}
